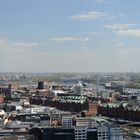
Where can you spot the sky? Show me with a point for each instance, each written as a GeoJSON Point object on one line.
{"type": "Point", "coordinates": [69, 35]}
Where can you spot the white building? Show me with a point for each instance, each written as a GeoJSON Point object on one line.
{"type": "Point", "coordinates": [33, 110]}
{"type": "Point", "coordinates": [67, 121]}
{"type": "Point", "coordinates": [86, 121]}
{"type": "Point", "coordinates": [80, 133]}
{"type": "Point", "coordinates": [103, 133]}
{"type": "Point", "coordinates": [131, 91]}
{"type": "Point", "coordinates": [78, 89]}
{"type": "Point", "coordinates": [56, 92]}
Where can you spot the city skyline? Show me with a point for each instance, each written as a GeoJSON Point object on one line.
{"type": "Point", "coordinates": [70, 36]}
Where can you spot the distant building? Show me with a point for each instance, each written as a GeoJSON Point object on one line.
{"type": "Point", "coordinates": [105, 93]}
{"type": "Point", "coordinates": [65, 103]}
{"type": "Point", "coordinates": [131, 91]}
{"type": "Point", "coordinates": [78, 89]}
{"type": "Point", "coordinates": [57, 116]}
{"type": "Point", "coordinates": [40, 85]}
{"type": "Point", "coordinates": [92, 108]}
{"type": "Point", "coordinates": [125, 110]}
{"type": "Point", "coordinates": [6, 92]}
{"type": "Point", "coordinates": [115, 95]}
{"type": "Point", "coordinates": [56, 90]}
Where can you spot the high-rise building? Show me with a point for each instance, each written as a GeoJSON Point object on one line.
{"type": "Point", "coordinates": [103, 133]}
{"type": "Point", "coordinates": [67, 121]}
{"type": "Point", "coordinates": [115, 133]}
{"type": "Point", "coordinates": [97, 85]}
{"type": "Point", "coordinates": [80, 133]}
{"type": "Point", "coordinates": [92, 134]}
{"type": "Point", "coordinates": [86, 121]}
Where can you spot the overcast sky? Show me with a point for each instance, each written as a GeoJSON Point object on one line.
{"type": "Point", "coordinates": [70, 35]}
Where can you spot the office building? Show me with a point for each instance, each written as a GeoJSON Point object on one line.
{"type": "Point", "coordinates": [80, 133]}
{"type": "Point", "coordinates": [67, 122]}
{"type": "Point", "coordinates": [103, 133]}
{"type": "Point", "coordinates": [115, 133]}
{"type": "Point", "coordinates": [92, 134]}
{"type": "Point", "coordinates": [85, 121]}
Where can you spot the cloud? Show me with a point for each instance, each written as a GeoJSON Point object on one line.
{"type": "Point", "coordinates": [100, 1]}
{"type": "Point", "coordinates": [117, 26]}
{"type": "Point", "coordinates": [46, 29]}
{"type": "Point", "coordinates": [83, 47]}
{"type": "Point", "coordinates": [120, 44]}
{"type": "Point", "coordinates": [25, 44]}
{"type": "Point", "coordinates": [10, 46]}
{"type": "Point", "coordinates": [117, 17]}
{"type": "Point", "coordinates": [3, 42]}
{"type": "Point", "coordinates": [91, 33]}
{"type": "Point", "coordinates": [123, 29]}
{"type": "Point", "coordinates": [127, 50]}
{"type": "Point", "coordinates": [103, 1]}
{"type": "Point", "coordinates": [91, 15]}
{"type": "Point", "coordinates": [69, 38]}
{"type": "Point", "coordinates": [129, 32]}
{"type": "Point", "coordinates": [16, 55]}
